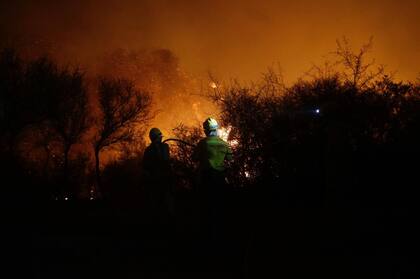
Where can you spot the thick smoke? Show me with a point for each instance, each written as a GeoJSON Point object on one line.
{"type": "Point", "coordinates": [176, 95]}
{"type": "Point", "coordinates": [167, 47]}
{"type": "Point", "coordinates": [231, 38]}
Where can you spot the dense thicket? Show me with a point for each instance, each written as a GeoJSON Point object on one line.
{"type": "Point", "coordinates": [346, 132]}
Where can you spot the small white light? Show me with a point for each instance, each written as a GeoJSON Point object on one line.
{"type": "Point", "coordinates": [317, 110]}
{"type": "Point", "coordinates": [234, 142]}
{"type": "Point", "coordinates": [66, 198]}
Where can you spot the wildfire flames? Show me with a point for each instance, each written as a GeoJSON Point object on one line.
{"type": "Point", "coordinates": [224, 133]}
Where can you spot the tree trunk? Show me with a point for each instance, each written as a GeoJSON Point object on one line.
{"type": "Point", "coordinates": [66, 161]}
{"type": "Point", "coordinates": [47, 161]}
{"type": "Point", "coordinates": [66, 169]}
{"type": "Point", "coordinates": [97, 172]}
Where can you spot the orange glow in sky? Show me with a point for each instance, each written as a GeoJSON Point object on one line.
{"type": "Point", "coordinates": [230, 39]}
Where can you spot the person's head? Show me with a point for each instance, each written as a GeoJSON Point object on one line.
{"type": "Point", "coordinates": [155, 135]}
{"type": "Point", "coordinates": [210, 126]}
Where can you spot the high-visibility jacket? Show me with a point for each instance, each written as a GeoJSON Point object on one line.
{"type": "Point", "coordinates": [211, 153]}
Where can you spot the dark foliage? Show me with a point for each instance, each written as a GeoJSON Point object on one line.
{"type": "Point", "coordinates": [311, 140]}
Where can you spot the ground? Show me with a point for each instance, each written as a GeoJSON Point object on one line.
{"type": "Point", "coordinates": [72, 239]}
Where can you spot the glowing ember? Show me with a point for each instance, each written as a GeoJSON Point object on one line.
{"type": "Point", "coordinates": [234, 142]}
{"type": "Point", "coordinates": [224, 134]}
{"type": "Point", "coordinates": [213, 85]}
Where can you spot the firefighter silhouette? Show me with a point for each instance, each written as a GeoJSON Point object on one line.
{"type": "Point", "coordinates": [158, 175]}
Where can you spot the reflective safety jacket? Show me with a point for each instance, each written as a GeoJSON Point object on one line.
{"type": "Point", "coordinates": [211, 153]}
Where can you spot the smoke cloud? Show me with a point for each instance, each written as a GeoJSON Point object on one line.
{"type": "Point", "coordinates": [232, 39]}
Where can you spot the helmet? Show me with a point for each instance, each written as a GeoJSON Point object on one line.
{"type": "Point", "coordinates": [210, 124]}
{"type": "Point", "coordinates": [155, 134]}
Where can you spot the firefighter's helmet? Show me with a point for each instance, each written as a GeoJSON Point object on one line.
{"type": "Point", "coordinates": [210, 124]}
{"type": "Point", "coordinates": [155, 134]}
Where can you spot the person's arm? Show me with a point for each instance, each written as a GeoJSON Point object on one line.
{"type": "Point", "coordinates": [229, 155]}
{"type": "Point", "coordinates": [166, 159]}
{"type": "Point", "coordinates": [165, 152]}
{"type": "Point", "coordinates": [196, 152]}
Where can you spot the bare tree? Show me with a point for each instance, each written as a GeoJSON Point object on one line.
{"type": "Point", "coordinates": [69, 111]}
{"type": "Point", "coordinates": [357, 71]}
{"type": "Point", "coordinates": [124, 108]}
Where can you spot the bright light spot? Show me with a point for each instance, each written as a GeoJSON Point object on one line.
{"type": "Point", "coordinates": [234, 142]}
{"type": "Point", "coordinates": [91, 198]}
{"type": "Point", "coordinates": [247, 174]}
{"type": "Point", "coordinates": [224, 133]}
{"type": "Point", "coordinates": [213, 85]}
{"type": "Point", "coordinates": [66, 198]}
{"type": "Point", "coordinates": [317, 111]}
